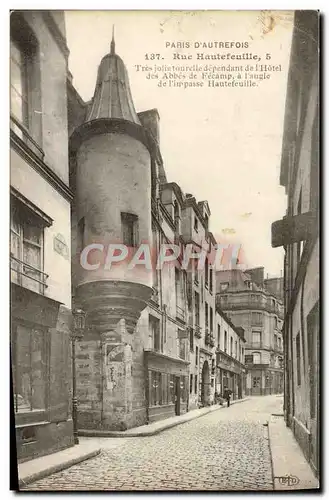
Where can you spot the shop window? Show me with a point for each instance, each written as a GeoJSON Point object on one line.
{"type": "Point", "coordinates": [256, 382]}
{"type": "Point", "coordinates": [183, 389]}
{"type": "Point", "coordinates": [172, 388]}
{"type": "Point", "coordinates": [155, 388]}
{"type": "Point", "coordinates": [165, 388]}
{"type": "Point", "coordinates": [29, 360]}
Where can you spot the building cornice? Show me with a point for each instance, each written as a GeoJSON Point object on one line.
{"type": "Point", "coordinates": [40, 166]}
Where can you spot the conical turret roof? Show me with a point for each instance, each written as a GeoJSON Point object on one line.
{"type": "Point", "coordinates": [112, 96]}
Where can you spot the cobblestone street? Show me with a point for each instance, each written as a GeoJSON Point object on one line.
{"type": "Point", "coordinates": [223, 450]}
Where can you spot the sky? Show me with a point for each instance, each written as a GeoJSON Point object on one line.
{"type": "Point", "coordinates": [222, 145]}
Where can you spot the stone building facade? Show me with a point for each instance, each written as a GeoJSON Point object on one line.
{"type": "Point", "coordinates": [230, 357]}
{"type": "Point", "coordinates": [40, 231]}
{"type": "Point", "coordinates": [298, 233]}
{"type": "Point", "coordinates": [245, 298]}
{"type": "Point", "coordinates": [149, 349]}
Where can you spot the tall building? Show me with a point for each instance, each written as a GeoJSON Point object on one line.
{"type": "Point", "coordinates": [40, 232]}
{"type": "Point", "coordinates": [298, 233]}
{"type": "Point", "coordinates": [246, 300]}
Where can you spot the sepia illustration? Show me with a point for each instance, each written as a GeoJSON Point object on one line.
{"type": "Point", "coordinates": [164, 250]}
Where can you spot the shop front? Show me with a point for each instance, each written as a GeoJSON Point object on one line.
{"type": "Point", "coordinates": [230, 373]}
{"type": "Point", "coordinates": [166, 382]}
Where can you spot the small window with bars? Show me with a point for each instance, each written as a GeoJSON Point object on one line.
{"type": "Point", "coordinates": [129, 224]}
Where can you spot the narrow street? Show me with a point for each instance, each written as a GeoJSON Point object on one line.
{"type": "Point", "coordinates": [224, 450]}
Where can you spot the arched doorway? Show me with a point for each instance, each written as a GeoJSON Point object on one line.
{"type": "Point", "coordinates": [205, 384]}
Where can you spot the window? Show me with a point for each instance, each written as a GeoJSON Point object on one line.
{"type": "Point", "coordinates": [236, 349]}
{"type": "Point", "coordinates": [218, 336]}
{"type": "Point", "coordinates": [182, 348]}
{"type": "Point", "coordinates": [197, 308]}
{"type": "Point", "coordinates": [195, 384]}
{"type": "Point", "coordinates": [206, 272]}
{"type": "Point", "coordinates": [196, 224]}
{"type": "Point", "coordinates": [249, 359]}
{"type": "Point", "coordinates": [206, 220]}
{"type": "Point", "coordinates": [225, 341]}
{"type": "Point", "coordinates": [155, 333]}
{"type": "Point", "coordinates": [275, 341]}
{"type": "Point", "coordinates": [256, 358]}
{"type": "Point", "coordinates": [129, 224]}
{"type": "Point", "coordinates": [29, 358]}
{"type": "Point", "coordinates": [191, 339]}
{"type": "Point", "coordinates": [298, 359]}
{"type": "Point", "coordinates": [211, 319]}
{"type": "Point", "coordinates": [25, 94]}
{"type": "Point", "coordinates": [256, 337]}
{"type": "Point", "coordinates": [176, 215]}
{"type": "Point", "coordinates": [180, 312]}
{"type": "Point", "coordinates": [206, 315]}
{"type": "Point", "coordinates": [196, 356]}
{"type": "Point", "coordinates": [210, 279]}
{"type": "Point", "coordinates": [256, 318]}
{"type": "Point", "coordinates": [18, 84]}
{"type": "Point", "coordinates": [26, 249]}
{"type": "Point", "coordinates": [191, 383]}
{"type": "Point", "coordinates": [224, 286]}
{"type": "Point", "coordinates": [231, 346]}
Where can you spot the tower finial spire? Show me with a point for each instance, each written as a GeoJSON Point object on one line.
{"type": "Point", "coordinates": [112, 41]}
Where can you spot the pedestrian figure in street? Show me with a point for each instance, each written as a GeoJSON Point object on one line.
{"type": "Point", "coordinates": [227, 395]}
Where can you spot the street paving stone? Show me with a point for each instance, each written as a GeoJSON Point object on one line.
{"type": "Point", "coordinates": [223, 450]}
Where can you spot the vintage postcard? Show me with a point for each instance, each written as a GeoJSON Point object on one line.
{"type": "Point", "coordinates": [164, 250]}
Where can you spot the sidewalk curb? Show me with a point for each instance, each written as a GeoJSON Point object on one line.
{"type": "Point", "coordinates": [288, 461]}
{"type": "Point", "coordinates": [56, 468]}
{"type": "Point", "coordinates": [153, 432]}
